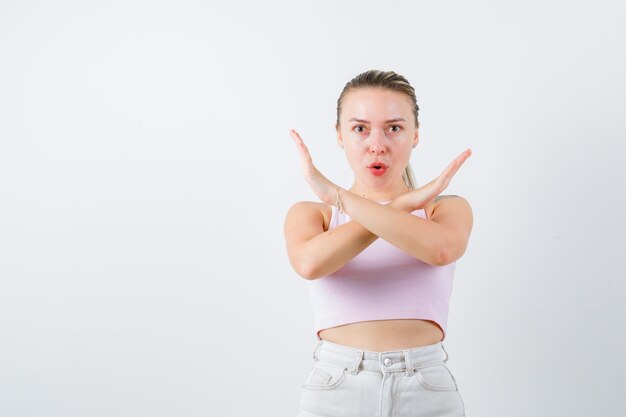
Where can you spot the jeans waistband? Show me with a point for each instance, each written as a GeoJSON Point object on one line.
{"type": "Point", "coordinates": [354, 360]}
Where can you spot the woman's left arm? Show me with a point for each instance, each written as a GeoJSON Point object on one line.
{"type": "Point", "coordinates": [438, 241]}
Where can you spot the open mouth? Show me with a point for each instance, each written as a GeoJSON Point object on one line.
{"type": "Point", "coordinates": [378, 166]}
{"type": "Point", "coordinates": [377, 169]}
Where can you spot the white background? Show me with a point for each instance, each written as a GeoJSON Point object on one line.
{"type": "Point", "coordinates": [146, 168]}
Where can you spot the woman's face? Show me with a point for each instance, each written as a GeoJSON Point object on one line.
{"type": "Point", "coordinates": [377, 125]}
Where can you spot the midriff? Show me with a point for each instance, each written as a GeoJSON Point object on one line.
{"type": "Point", "coordinates": [385, 335]}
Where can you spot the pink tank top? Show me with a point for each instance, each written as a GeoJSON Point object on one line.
{"type": "Point", "coordinates": [381, 283]}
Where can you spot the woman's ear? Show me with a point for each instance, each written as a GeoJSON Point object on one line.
{"type": "Point", "coordinates": [416, 138]}
{"type": "Point", "coordinates": [339, 139]}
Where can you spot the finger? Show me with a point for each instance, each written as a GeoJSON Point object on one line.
{"type": "Point", "coordinates": [446, 176]}
{"type": "Point", "coordinates": [462, 157]}
{"type": "Point", "coordinates": [454, 166]}
{"type": "Point", "coordinates": [296, 137]}
{"type": "Point", "coordinates": [298, 140]}
{"type": "Point", "coordinates": [304, 150]}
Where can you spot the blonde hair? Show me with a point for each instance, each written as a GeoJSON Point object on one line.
{"type": "Point", "coordinates": [391, 81]}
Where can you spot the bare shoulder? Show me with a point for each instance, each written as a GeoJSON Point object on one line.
{"type": "Point", "coordinates": [454, 216]}
{"type": "Point", "coordinates": [308, 211]}
{"type": "Point", "coordinates": [449, 202]}
{"type": "Point", "coordinates": [304, 221]}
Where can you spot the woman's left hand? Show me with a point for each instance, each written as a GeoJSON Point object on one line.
{"type": "Point", "coordinates": [320, 185]}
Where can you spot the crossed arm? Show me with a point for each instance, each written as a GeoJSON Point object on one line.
{"type": "Point", "coordinates": [437, 241]}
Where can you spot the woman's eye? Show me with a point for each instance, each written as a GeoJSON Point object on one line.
{"type": "Point", "coordinates": [397, 127]}
{"type": "Point", "coordinates": [357, 128]}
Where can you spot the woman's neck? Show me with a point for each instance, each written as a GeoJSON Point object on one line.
{"type": "Point", "coordinates": [380, 195]}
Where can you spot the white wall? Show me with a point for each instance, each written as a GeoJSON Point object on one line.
{"type": "Point", "coordinates": [146, 168]}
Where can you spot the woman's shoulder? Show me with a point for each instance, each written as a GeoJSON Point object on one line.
{"type": "Point", "coordinates": [306, 209]}
{"type": "Point", "coordinates": [442, 199]}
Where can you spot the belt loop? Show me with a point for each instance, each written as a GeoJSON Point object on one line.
{"type": "Point", "coordinates": [354, 369]}
{"type": "Point", "coordinates": [446, 359]}
{"type": "Point", "coordinates": [407, 363]}
{"type": "Point", "coordinates": [315, 357]}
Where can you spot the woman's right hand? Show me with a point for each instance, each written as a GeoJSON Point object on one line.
{"type": "Point", "coordinates": [420, 197]}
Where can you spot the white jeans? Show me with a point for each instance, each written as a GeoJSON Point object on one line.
{"type": "Point", "coordinates": [349, 382]}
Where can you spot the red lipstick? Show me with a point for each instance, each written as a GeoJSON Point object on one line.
{"type": "Point", "coordinates": [377, 168]}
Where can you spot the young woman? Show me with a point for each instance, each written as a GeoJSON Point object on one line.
{"type": "Point", "coordinates": [379, 260]}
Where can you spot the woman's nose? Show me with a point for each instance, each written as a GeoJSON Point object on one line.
{"type": "Point", "coordinates": [378, 142]}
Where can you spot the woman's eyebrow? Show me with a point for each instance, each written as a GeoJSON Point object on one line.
{"type": "Point", "coordinates": [397, 119]}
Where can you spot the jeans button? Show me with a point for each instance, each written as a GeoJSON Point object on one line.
{"type": "Point", "coordinates": [387, 361]}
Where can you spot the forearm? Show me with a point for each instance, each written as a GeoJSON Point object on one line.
{"type": "Point", "coordinates": [414, 235]}
{"type": "Point", "coordinates": [336, 247]}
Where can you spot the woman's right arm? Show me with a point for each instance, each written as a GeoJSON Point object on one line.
{"type": "Point", "coordinates": [314, 253]}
